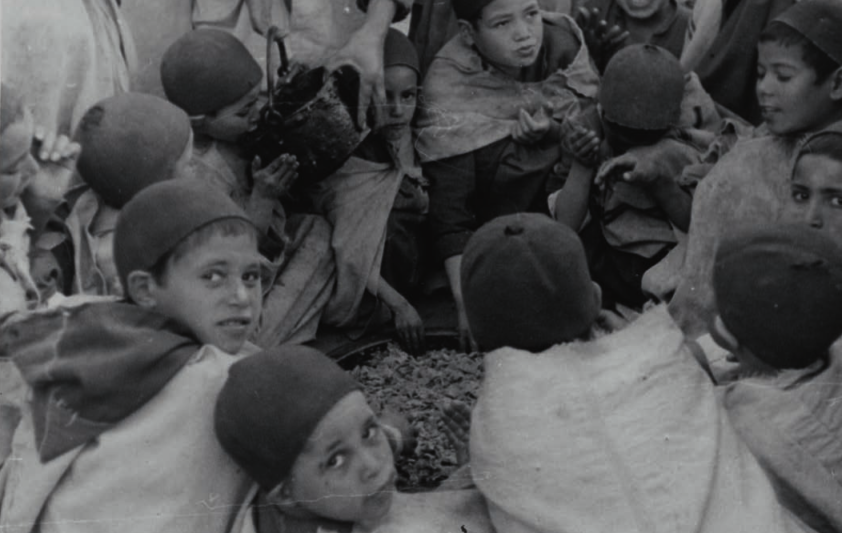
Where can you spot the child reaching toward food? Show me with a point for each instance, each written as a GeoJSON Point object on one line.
{"type": "Point", "coordinates": [778, 293]}
{"type": "Point", "coordinates": [323, 461]}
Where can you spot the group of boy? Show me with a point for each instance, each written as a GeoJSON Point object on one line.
{"type": "Point", "coordinates": [163, 393]}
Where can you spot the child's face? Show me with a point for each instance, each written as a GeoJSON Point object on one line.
{"type": "Point", "coordinates": [346, 471]}
{"type": "Point", "coordinates": [790, 99]}
{"type": "Point", "coordinates": [17, 166]}
{"type": "Point", "coordinates": [641, 9]}
{"type": "Point", "coordinates": [230, 123]}
{"type": "Point", "coordinates": [214, 290]}
{"type": "Point", "coordinates": [817, 194]}
{"type": "Point", "coordinates": [509, 34]}
{"type": "Point", "coordinates": [401, 98]}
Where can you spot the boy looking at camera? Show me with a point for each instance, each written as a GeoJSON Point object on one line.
{"type": "Point", "coordinates": [799, 88]}
{"type": "Point", "coordinates": [123, 391]}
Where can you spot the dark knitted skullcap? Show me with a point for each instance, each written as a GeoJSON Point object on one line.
{"type": "Point", "coordinates": [161, 216]}
{"type": "Point", "coordinates": [779, 292]}
{"type": "Point", "coordinates": [206, 70]}
{"type": "Point", "coordinates": [272, 403]}
{"type": "Point", "coordinates": [130, 141]}
{"type": "Point", "coordinates": [642, 88]}
{"type": "Point", "coordinates": [820, 21]}
{"type": "Point", "coordinates": [399, 51]}
{"type": "Point", "coordinates": [469, 9]}
{"type": "Point", "coordinates": [525, 284]}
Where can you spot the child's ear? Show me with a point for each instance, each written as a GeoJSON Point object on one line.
{"type": "Point", "coordinates": [466, 32]}
{"type": "Point", "coordinates": [836, 85]}
{"type": "Point", "coordinates": [199, 122]}
{"type": "Point", "coordinates": [722, 335]}
{"type": "Point", "coordinates": [140, 288]}
{"type": "Point", "coordinates": [597, 294]}
{"type": "Point", "coordinates": [281, 495]}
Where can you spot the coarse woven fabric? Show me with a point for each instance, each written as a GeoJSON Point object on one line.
{"type": "Point", "coordinates": [129, 142]}
{"type": "Point", "coordinates": [272, 403]}
{"type": "Point", "coordinates": [622, 433]}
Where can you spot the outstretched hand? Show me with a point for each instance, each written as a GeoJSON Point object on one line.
{"type": "Point", "coordinates": [276, 178]}
{"type": "Point", "coordinates": [632, 167]}
{"type": "Point", "coordinates": [530, 129]}
{"type": "Point", "coordinates": [56, 155]}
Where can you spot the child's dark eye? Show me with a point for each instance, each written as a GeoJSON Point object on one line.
{"type": "Point", "coordinates": [214, 276]}
{"type": "Point", "coordinates": [336, 460]}
{"type": "Point", "coordinates": [252, 276]}
{"type": "Point", "coordinates": [836, 201]}
{"type": "Point", "coordinates": [371, 432]}
{"type": "Point", "coordinates": [407, 96]}
{"type": "Point", "coordinates": [799, 195]}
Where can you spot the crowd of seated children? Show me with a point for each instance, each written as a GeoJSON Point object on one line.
{"type": "Point", "coordinates": [790, 278]}
{"type": "Point", "coordinates": [153, 411]}
{"type": "Point", "coordinates": [799, 86]}
{"type": "Point", "coordinates": [212, 76]}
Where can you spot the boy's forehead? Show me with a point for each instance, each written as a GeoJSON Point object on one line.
{"type": "Point", "coordinates": [241, 248]}
{"type": "Point", "coordinates": [774, 53]}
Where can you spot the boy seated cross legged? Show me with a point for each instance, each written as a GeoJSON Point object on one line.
{"type": "Point", "coordinates": [118, 433]}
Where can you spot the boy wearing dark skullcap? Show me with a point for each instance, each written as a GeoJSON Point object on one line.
{"type": "Point", "coordinates": [799, 88]}
{"type": "Point", "coordinates": [639, 205]}
{"type": "Point", "coordinates": [526, 284]}
{"type": "Point", "coordinates": [778, 295]}
{"type": "Point", "coordinates": [301, 428]}
{"type": "Point", "coordinates": [118, 386]}
{"type": "Point", "coordinates": [500, 96]}
{"type": "Point", "coordinates": [213, 77]}
{"type": "Point", "coordinates": [129, 142]}
{"type": "Point", "coordinates": [377, 202]}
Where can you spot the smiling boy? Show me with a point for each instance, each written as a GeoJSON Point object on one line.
{"type": "Point", "coordinates": [119, 431]}
{"type": "Point", "coordinates": [799, 87]}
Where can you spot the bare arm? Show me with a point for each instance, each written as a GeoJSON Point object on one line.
{"type": "Point", "coordinates": [571, 203]}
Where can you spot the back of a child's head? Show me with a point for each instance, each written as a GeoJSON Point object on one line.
{"type": "Point", "coordinates": [825, 144]}
{"type": "Point", "coordinates": [525, 284]}
{"type": "Point", "coordinates": [641, 92]}
{"type": "Point", "coordinates": [207, 70]}
{"type": "Point", "coordinates": [779, 293]}
{"type": "Point", "coordinates": [130, 141]}
{"type": "Point", "coordinates": [814, 27]}
{"type": "Point", "coordinates": [168, 219]}
{"type": "Point", "coordinates": [271, 404]}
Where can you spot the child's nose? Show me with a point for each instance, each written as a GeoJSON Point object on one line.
{"type": "Point", "coordinates": [241, 293]}
{"type": "Point", "coordinates": [814, 215]}
{"type": "Point", "coordinates": [372, 465]}
{"type": "Point", "coordinates": [522, 30]}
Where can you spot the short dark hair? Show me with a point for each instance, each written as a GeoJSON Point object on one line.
{"type": "Point", "coordinates": [226, 227]}
{"type": "Point", "coordinates": [785, 35]}
{"type": "Point", "coordinates": [826, 144]}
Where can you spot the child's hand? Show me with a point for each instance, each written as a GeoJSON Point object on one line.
{"type": "Point", "coordinates": [629, 167]}
{"type": "Point", "coordinates": [601, 40]}
{"type": "Point", "coordinates": [276, 179]}
{"type": "Point", "coordinates": [456, 417]}
{"type": "Point", "coordinates": [584, 143]}
{"type": "Point", "coordinates": [531, 129]}
{"type": "Point", "coordinates": [56, 155]}
{"type": "Point", "coordinates": [402, 435]}
{"type": "Point", "coordinates": [410, 328]}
